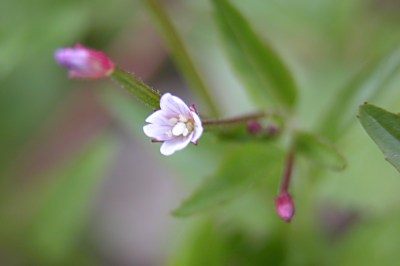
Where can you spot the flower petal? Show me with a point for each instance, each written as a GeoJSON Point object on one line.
{"type": "Point", "coordinates": [159, 118]}
{"type": "Point", "coordinates": [173, 106]}
{"type": "Point", "coordinates": [157, 132]}
{"type": "Point", "coordinates": [198, 127]}
{"type": "Point", "coordinates": [175, 144]}
{"type": "Point", "coordinates": [184, 109]}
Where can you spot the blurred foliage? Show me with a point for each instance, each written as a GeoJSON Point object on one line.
{"type": "Point", "coordinates": [43, 219]}
{"type": "Point", "coordinates": [180, 55]}
{"type": "Point", "coordinates": [254, 60]}
{"type": "Point", "coordinates": [243, 168]}
{"type": "Point", "coordinates": [365, 86]}
{"type": "Point", "coordinates": [339, 53]}
{"type": "Point", "coordinates": [319, 151]}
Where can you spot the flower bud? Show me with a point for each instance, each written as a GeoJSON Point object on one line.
{"type": "Point", "coordinates": [83, 62]}
{"type": "Point", "coordinates": [285, 206]}
{"type": "Point", "coordinates": [272, 130]}
{"type": "Point", "coordinates": [254, 127]}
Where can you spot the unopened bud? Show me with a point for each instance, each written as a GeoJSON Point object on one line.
{"type": "Point", "coordinates": [254, 127]}
{"type": "Point", "coordinates": [285, 206]}
{"type": "Point", "coordinates": [272, 130]}
{"type": "Point", "coordinates": [83, 62]}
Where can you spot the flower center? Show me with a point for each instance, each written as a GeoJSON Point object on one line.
{"type": "Point", "coordinates": [182, 126]}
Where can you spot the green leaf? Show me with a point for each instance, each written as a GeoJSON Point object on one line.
{"type": "Point", "coordinates": [367, 84]}
{"type": "Point", "coordinates": [260, 68]}
{"type": "Point", "coordinates": [64, 208]}
{"type": "Point", "coordinates": [240, 170]}
{"type": "Point", "coordinates": [181, 55]}
{"type": "Point", "coordinates": [319, 151]}
{"type": "Point", "coordinates": [384, 128]}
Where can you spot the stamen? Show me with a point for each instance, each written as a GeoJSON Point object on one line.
{"type": "Point", "coordinates": [173, 121]}
{"type": "Point", "coordinates": [182, 118]}
{"type": "Point", "coordinates": [185, 132]}
{"type": "Point", "coordinates": [190, 126]}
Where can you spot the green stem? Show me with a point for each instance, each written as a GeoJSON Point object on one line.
{"type": "Point", "coordinates": [239, 120]}
{"type": "Point", "coordinates": [235, 126]}
{"type": "Point", "coordinates": [137, 87]}
{"type": "Point", "coordinates": [180, 54]}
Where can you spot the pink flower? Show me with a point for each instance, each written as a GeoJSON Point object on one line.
{"type": "Point", "coordinates": [285, 206]}
{"type": "Point", "coordinates": [176, 125]}
{"type": "Point", "coordinates": [83, 62]}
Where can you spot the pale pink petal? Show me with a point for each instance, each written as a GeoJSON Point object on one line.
{"type": "Point", "coordinates": [168, 105]}
{"type": "Point", "coordinates": [175, 144]}
{"type": "Point", "coordinates": [198, 128]}
{"type": "Point", "coordinates": [159, 118]}
{"type": "Point", "coordinates": [157, 132]}
{"type": "Point", "coordinates": [173, 106]}
{"type": "Point", "coordinates": [183, 108]}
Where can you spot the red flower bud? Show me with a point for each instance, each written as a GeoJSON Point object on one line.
{"type": "Point", "coordinates": [254, 127]}
{"type": "Point", "coordinates": [83, 62]}
{"type": "Point", "coordinates": [272, 130]}
{"type": "Point", "coordinates": [285, 206]}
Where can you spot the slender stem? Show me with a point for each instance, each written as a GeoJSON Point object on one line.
{"type": "Point", "coordinates": [137, 87]}
{"type": "Point", "coordinates": [237, 126]}
{"type": "Point", "coordinates": [180, 54]}
{"type": "Point", "coordinates": [234, 120]}
{"type": "Point", "coordinates": [287, 175]}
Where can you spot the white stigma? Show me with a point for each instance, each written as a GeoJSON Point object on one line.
{"type": "Point", "coordinates": [178, 129]}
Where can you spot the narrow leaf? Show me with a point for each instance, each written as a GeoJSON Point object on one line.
{"type": "Point", "coordinates": [384, 128]}
{"type": "Point", "coordinates": [319, 151]}
{"type": "Point", "coordinates": [239, 171]}
{"type": "Point", "coordinates": [363, 87]}
{"type": "Point", "coordinates": [260, 68]}
{"type": "Point", "coordinates": [180, 54]}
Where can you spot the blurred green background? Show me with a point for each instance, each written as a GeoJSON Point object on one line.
{"type": "Point", "coordinates": [81, 185]}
